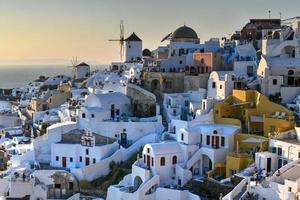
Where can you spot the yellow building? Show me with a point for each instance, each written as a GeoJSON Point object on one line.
{"type": "Point", "coordinates": [245, 147]}
{"type": "Point", "coordinates": [255, 113]}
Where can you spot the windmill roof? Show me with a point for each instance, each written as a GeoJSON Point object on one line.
{"type": "Point", "coordinates": [133, 37]}
{"type": "Point", "coordinates": [82, 64]}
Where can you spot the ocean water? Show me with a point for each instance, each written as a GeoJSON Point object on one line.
{"type": "Point", "coordinates": [12, 76]}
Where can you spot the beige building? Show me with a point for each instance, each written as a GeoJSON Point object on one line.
{"type": "Point", "coordinates": [50, 99]}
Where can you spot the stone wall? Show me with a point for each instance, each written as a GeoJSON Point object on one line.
{"type": "Point", "coordinates": [143, 102]}
{"type": "Point", "coordinates": [195, 82]}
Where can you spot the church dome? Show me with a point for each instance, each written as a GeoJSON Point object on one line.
{"type": "Point", "coordinates": [184, 32]}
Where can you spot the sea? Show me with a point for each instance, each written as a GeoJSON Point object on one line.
{"type": "Point", "coordinates": [15, 76]}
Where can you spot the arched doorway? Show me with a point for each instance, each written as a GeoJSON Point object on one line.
{"type": "Point", "coordinates": [206, 164]}
{"type": "Point", "coordinates": [155, 85]}
{"type": "Point", "coordinates": [137, 182]}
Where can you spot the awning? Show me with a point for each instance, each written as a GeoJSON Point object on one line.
{"type": "Point", "coordinates": [254, 140]}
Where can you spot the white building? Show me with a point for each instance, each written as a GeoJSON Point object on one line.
{"type": "Point", "coordinates": [81, 70]}
{"type": "Point", "coordinates": [245, 63]}
{"type": "Point", "coordinates": [282, 150]}
{"type": "Point", "coordinates": [40, 184]}
{"type": "Point", "coordinates": [280, 63]}
{"type": "Point", "coordinates": [178, 53]}
{"type": "Point", "coordinates": [81, 148]}
{"type": "Point", "coordinates": [183, 105]}
{"type": "Point", "coordinates": [220, 84]}
{"type": "Point", "coordinates": [280, 186]}
{"type": "Point", "coordinates": [133, 48]}
{"type": "Point", "coordinates": [101, 107]}
{"type": "Point", "coordinates": [135, 72]}
{"type": "Point", "coordinates": [173, 163]}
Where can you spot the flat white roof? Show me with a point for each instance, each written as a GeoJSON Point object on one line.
{"type": "Point", "coordinates": [223, 129]}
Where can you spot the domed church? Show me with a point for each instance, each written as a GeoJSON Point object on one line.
{"type": "Point", "coordinates": [183, 42]}
{"type": "Point", "coordinates": [184, 34]}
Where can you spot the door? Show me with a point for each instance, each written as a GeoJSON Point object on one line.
{"type": "Point", "coordinates": [87, 161]}
{"type": "Point", "coordinates": [64, 161]}
{"type": "Point", "coordinates": [217, 142]}
{"type": "Point", "coordinates": [148, 160]}
{"type": "Point", "coordinates": [112, 111]}
{"type": "Point", "coordinates": [268, 164]}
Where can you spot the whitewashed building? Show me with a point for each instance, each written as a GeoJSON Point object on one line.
{"type": "Point", "coordinates": [183, 105]}
{"type": "Point", "coordinates": [282, 150]}
{"type": "Point", "coordinates": [220, 84]}
{"type": "Point", "coordinates": [81, 148]}
{"type": "Point", "coordinates": [280, 63]}
{"type": "Point", "coordinates": [133, 48]}
{"type": "Point", "coordinates": [173, 163]}
{"type": "Point", "coordinates": [81, 70]}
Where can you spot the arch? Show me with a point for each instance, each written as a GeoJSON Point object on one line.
{"type": "Point", "coordinates": [276, 35]}
{"type": "Point", "coordinates": [162, 161]}
{"type": "Point", "coordinates": [155, 85]}
{"type": "Point", "coordinates": [290, 72]}
{"type": "Point", "coordinates": [137, 182]}
{"type": "Point", "coordinates": [206, 163]}
{"type": "Point", "coordinates": [174, 160]}
{"type": "Point", "coordinates": [289, 50]}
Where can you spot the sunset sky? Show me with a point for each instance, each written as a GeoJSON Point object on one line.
{"type": "Point", "coordinates": [52, 31]}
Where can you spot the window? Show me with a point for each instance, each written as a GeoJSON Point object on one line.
{"type": "Point", "coordinates": [222, 141]}
{"type": "Point", "coordinates": [180, 62]}
{"type": "Point", "coordinates": [207, 140]}
{"type": "Point", "coordinates": [186, 103]}
{"type": "Point", "coordinates": [168, 85]}
{"type": "Point", "coordinates": [57, 186]}
{"type": "Point", "coordinates": [92, 115]}
{"type": "Point", "coordinates": [129, 46]}
{"type": "Point", "coordinates": [299, 154]}
{"type": "Point", "coordinates": [152, 162]}
{"type": "Point", "coordinates": [94, 160]}
{"type": "Point", "coordinates": [182, 136]}
{"type": "Point", "coordinates": [80, 159]}
{"type": "Point", "coordinates": [279, 151]}
{"type": "Point", "coordinates": [83, 115]}
{"type": "Point", "coordinates": [87, 151]}
{"type": "Point", "coordinates": [71, 159]}
{"type": "Point", "coordinates": [285, 162]}
{"type": "Point", "coordinates": [174, 160]}
{"type": "Point", "coordinates": [213, 85]}
{"type": "Point", "coordinates": [289, 189]}
{"type": "Point", "coordinates": [57, 158]}
{"type": "Point", "coordinates": [221, 86]}
{"type": "Point", "coordinates": [162, 161]}
{"type": "Point", "coordinates": [148, 150]}
{"type": "Point", "coordinates": [274, 81]}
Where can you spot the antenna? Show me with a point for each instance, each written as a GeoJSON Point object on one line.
{"type": "Point", "coordinates": [121, 40]}
{"type": "Point", "coordinates": [269, 14]}
{"type": "Point", "coordinates": [280, 14]}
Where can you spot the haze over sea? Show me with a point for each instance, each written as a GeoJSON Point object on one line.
{"type": "Point", "coordinates": [12, 76]}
